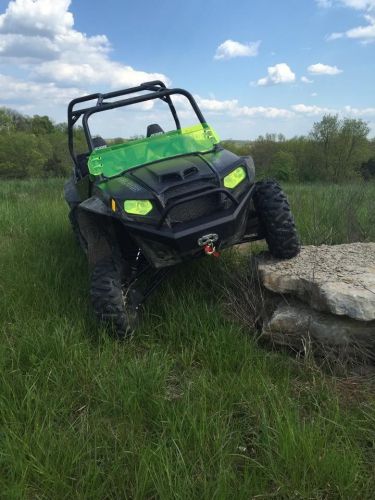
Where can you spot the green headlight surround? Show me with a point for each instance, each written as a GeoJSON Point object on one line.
{"type": "Point", "coordinates": [137, 207]}
{"type": "Point", "coordinates": [235, 177]}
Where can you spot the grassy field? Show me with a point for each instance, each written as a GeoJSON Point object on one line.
{"type": "Point", "coordinates": [192, 408]}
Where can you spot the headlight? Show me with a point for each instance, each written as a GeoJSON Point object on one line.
{"type": "Point", "coordinates": [138, 207]}
{"type": "Point", "coordinates": [235, 177]}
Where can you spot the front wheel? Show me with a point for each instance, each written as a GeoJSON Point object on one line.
{"type": "Point", "coordinates": [276, 219]}
{"type": "Point", "coordinates": [109, 299]}
{"type": "Point", "coordinates": [76, 230]}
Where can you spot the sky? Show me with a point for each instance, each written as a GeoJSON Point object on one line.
{"type": "Point", "coordinates": [254, 66]}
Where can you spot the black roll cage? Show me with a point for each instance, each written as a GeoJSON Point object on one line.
{"type": "Point", "coordinates": [158, 90]}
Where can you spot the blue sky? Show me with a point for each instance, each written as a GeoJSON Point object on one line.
{"type": "Point", "coordinates": [255, 66]}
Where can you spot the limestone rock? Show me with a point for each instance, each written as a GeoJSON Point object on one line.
{"type": "Point", "coordinates": [338, 279]}
{"type": "Point", "coordinates": [294, 321]}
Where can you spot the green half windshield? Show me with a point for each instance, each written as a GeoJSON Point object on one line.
{"type": "Point", "coordinates": [114, 160]}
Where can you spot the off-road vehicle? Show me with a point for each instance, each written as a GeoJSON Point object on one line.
{"type": "Point", "coordinates": [140, 207]}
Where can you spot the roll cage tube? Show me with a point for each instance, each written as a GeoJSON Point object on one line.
{"type": "Point", "coordinates": [163, 94]}
{"type": "Point", "coordinates": [74, 115]}
{"type": "Point", "coordinates": [158, 89]}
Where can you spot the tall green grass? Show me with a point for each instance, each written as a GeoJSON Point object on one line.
{"type": "Point", "coordinates": [192, 407]}
{"type": "Point", "coordinates": [333, 214]}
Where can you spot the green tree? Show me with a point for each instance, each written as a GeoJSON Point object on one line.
{"type": "Point", "coordinates": [17, 121]}
{"type": "Point", "coordinates": [41, 125]}
{"type": "Point", "coordinates": [263, 150]}
{"type": "Point", "coordinates": [340, 146]}
{"type": "Point", "coordinates": [20, 155]}
{"type": "Point", "coordinates": [283, 166]}
{"type": "Point", "coordinates": [367, 169]}
{"type": "Point", "coordinates": [59, 162]}
{"type": "Point", "coordinates": [6, 124]}
{"type": "Point", "coordinates": [353, 147]}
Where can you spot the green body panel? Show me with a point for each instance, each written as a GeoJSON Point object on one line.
{"type": "Point", "coordinates": [114, 160]}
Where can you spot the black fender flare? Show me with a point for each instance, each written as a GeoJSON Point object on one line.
{"type": "Point", "coordinates": [96, 206]}
{"type": "Point", "coordinates": [71, 194]}
{"type": "Point", "coordinates": [248, 160]}
{"type": "Point", "coordinates": [92, 218]}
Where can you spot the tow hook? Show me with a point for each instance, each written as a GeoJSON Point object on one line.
{"type": "Point", "coordinates": [211, 250]}
{"type": "Point", "coordinates": [207, 242]}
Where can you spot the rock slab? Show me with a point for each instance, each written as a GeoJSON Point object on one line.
{"type": "Point", "coordinates": [338, 279]}
{"type": "Point", "coordinates": [292, 323]}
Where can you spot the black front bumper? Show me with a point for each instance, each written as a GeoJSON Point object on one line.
{"type": "Point", "coordinates": [165, 246]}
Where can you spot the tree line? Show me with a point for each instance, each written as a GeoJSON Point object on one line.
{"type": "Point", "coordinates": [34, 146]}
{"type": "Point", "coordinates": [336, 150]}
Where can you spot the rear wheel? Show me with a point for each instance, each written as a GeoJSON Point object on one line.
{"type": "Point", "coordinates": [276, 219]}
{"type": "Point", "coordinates": [109, 299]}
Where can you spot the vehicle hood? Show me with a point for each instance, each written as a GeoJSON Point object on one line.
{"type": "Point", "coordinates": [158, 179]}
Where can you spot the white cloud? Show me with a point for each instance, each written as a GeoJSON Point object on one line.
{"type": "Point", "coordinates": [230, 107]}
{"type": "Point", "coordinates": [334, 36]}
{"type": "Point", "coordinates": [215, 105]}
{"type": "Point", "coordinates": [230, 49]}
{"type": "Point", "coordinates": [23, 48]}
{"type": "Point", "coordinates": [37, 17]}
{"type": "Point", "coordinates": [110, 73]}
{"type": "Point", "coordinates": [39, 35]}
{"type": "Point", "coordinates": [280, 73]}
{"type": "Point", "coordinates": [266, 112]}
{"type": "Point", "coordinates": [323, 69]}
{"type": "Point", "coordinates": [311, 110]}
{"type": "Point", "coordinates": [233, 108]}
{"type": "Point", "coordinates": [366, 33]}
{"type": "Point", "coordinates": [304, 79]}
{"type": "Point", "coordinates": [359, 4]}
{"type": "Point", "coordinates": [354, 4]}
{"type": "Point", "coordinates": [364, 112]}
{"type": "Point", "coordinates": [17, 90]}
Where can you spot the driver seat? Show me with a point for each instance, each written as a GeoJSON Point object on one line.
{"type": "Point", "coordinates": [82, 166]}
{"type": "Point", "coordinates": [154, 129]}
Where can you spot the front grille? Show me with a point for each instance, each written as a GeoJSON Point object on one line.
{"type": "Point", "coordinates": [186, 189]}
{"type": "Point", "coordinates": [199, 207]}
{"type": "Point", "coordinates": [190, 210]}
